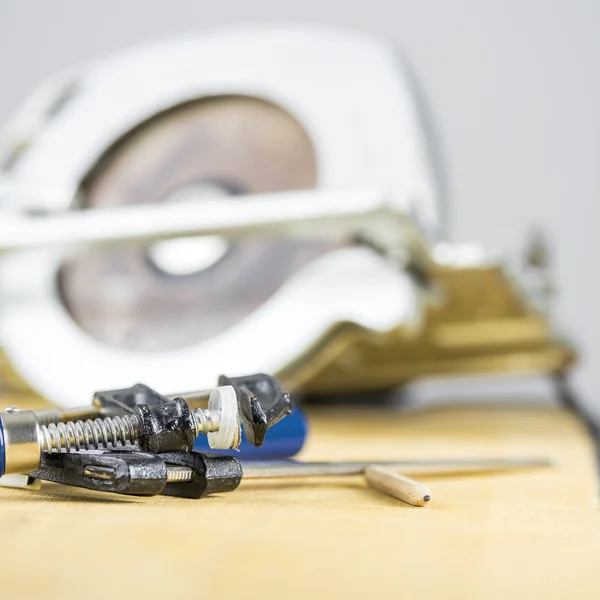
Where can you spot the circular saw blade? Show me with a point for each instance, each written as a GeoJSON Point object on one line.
{"type": "Point", "coordinates": [236, 145]}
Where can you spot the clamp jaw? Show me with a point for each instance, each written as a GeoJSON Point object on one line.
{"type": "Point", "coordinates": [260, 403]}
{"type": "Point", "coordinates": [124, 471]}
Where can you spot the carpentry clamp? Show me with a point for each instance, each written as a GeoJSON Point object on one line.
{"type": "Point", "coordinates": [142, 419]}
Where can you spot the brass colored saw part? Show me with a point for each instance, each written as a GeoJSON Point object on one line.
{"type": "Point", "coordinates": [482, 324]}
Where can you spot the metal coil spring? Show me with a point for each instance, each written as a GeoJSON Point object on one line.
{"type": "Point", "coordinates": [89, 434]}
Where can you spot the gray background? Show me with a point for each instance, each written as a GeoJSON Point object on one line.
{"type": "Point", "coordinates": [513, 85]}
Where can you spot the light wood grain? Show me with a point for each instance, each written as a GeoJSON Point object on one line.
{"type": "Point", "coordinates": [523, 534]}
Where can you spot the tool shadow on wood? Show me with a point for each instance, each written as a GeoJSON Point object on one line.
{"type": "Point", "coordinates": [51, 492]}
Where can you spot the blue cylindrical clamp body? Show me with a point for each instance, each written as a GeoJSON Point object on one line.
{"type": "Point", "coordinates": [283, 440]}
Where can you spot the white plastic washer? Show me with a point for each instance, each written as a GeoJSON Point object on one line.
{"type": "Point", "coordinates": [224, 399]}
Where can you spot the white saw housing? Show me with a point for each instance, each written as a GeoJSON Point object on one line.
{"type": "Point", "coordinates": [357, 106]}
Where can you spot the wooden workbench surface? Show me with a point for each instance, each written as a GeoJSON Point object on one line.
{"type": "Point", "coordinates": [529, 534]}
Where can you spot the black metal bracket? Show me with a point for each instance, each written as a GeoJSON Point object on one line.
{"type": "Point", "coordinates": [133, 473]}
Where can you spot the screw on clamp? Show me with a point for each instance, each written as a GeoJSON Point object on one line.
{"type": "Point", "coordinates": [149, 420]}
